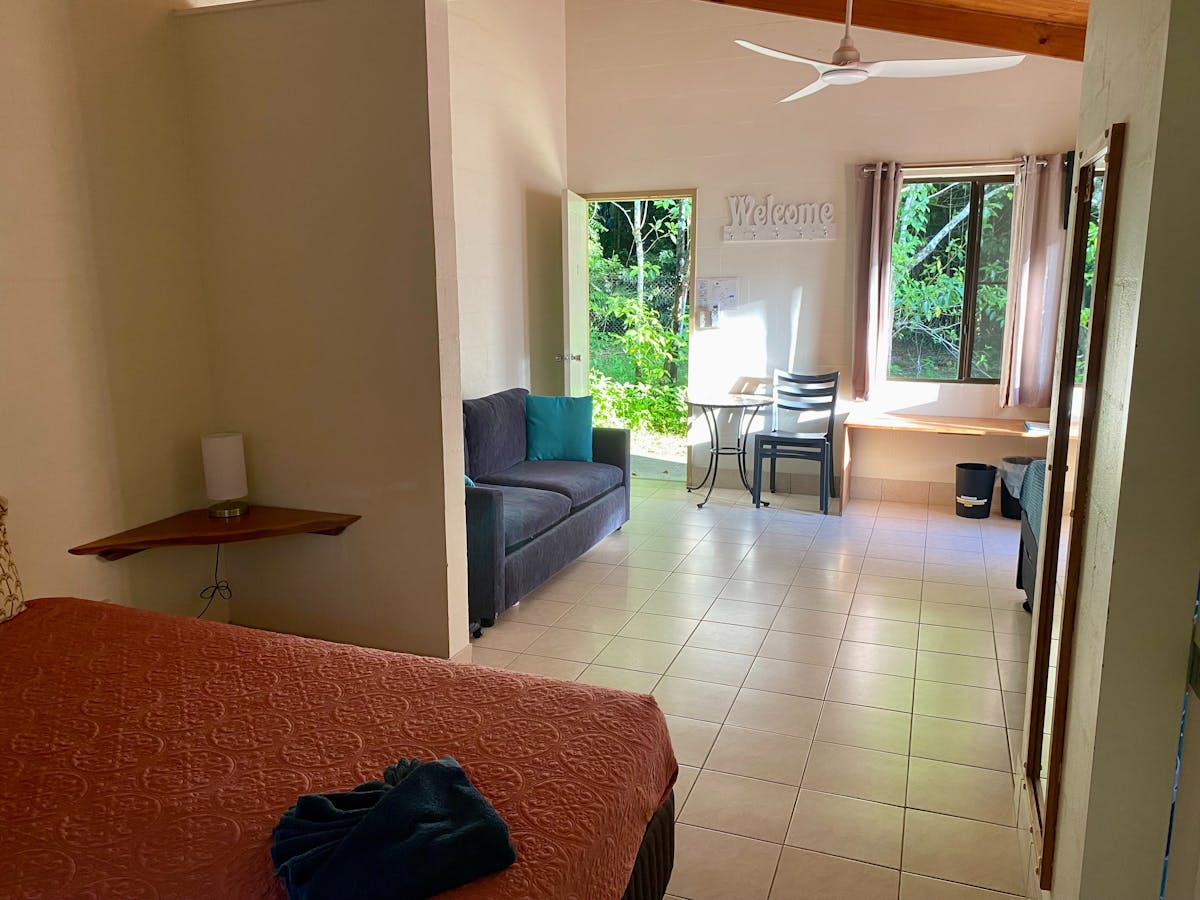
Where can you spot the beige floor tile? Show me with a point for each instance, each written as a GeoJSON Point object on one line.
{"type": "Point", "coordinates": [976, 853]}
{"type": "Point", "coordinates": [513, 636]}
{"type": "Point", "coordinates": [1014, 708]}
{"type": "Point", "coordinates": [651, 627]}
{"type": "Point", "coordinates": [590, 573]}
{"type": "Point", "coordinates": [871, 689]}
{"type": "Point", "coordinates": [956, 701]}
{"type": "Point", "coordinates": [770, 572]}
{"type": "Point", "coordinates": [737, 612]}
{"type": "Point", "coordinates": [538, 612]}
{"type": "Point", "coordinates": [563, 669]}
{"type": "Point", "coordinates": [954, 668]}
{"type": "Point", "coordinates": [483, 656]}
{"type": "Point", "coordinates": [865, 630]}
{"type": "Point", "coordinates": [895, 608]}
{"type": "Point", "coordinates": [598, 619]}
{"type": "Point", "coordinates": [754, 592]}
{"type": "Point", "coordinates": [647, 579]}
{"type": "Point", "coordinates": [704, 563]}
{"type": "Point", "coordinates": [738, 805]}
{"type": "Point", "coordinates": [1011, 621]}
{"type": "Point", "coordinates": [804, 875]}
{"type": "Point", "coordinates": [957, 790]}
{"type": "Point", "coordinates": [896, 568]}
{"type": "Point", "coordinates": [963, 595]}
{"type": "Point", "coordinates": [876, 658]}
{"type": "Point", "coordinates": [678, 605]}
{"type": "Point", "coordinates": [887, 586]}
{"type": "Point", "coordinates": [836, 561]}
{"type": "Point", "coordinates": [643, 558]}
{"type": "Point", "coordinates": [1012, 647]}
{"type": "Point", "coordinates": [682, 546]}
{"type": "Point", "coordinates": [702, 664]}
{"type": "Point", "coordinates": [805, 648]}
{"type": "Point", "coordinates": [683, 786]}
{"type": "Point", "coordinates": [956, 615]}
{"type": "Point", "coordinates": [966, 641]}
{"type": "Point", "coordinates": [918, 887]}
{"type": "Point", "coordinates": [694, 699]}
{"type": "Point", "coordinates": [722, 636]}
{"type": "Point", "coordinates": [1013, 675]}
{"type": "Point", "coordinates": [975, 576]}
{"type": "Point", "coordinates": [783, 677]}
{"type": "Point", "coordinates": [864, 726]}
{"type": "Point", "coordinates": [621, 679]}
{"type": "Point", "coordinates": [693, 585]}
{"type": "Point", "coordinates": [809, 621]}
{"type": "Point", "coordinates": [857, 772]}
{"type": "Point", "coordinates": [968, 743]}
{"type": "Point", "coordinates": [779, 713]}
{"type": "Point", "coordinates": [710, 865]}
{"type": "Point", "coordinates": [632, 653]}
{"type": "Point", "coordinates": [759, 754]}
{"type": "Point", "coordinates": [847, 827]}
{"type": "Point", "coordinates": [821, 599]}
{"type": "Point", "coordinates": [561, 591]}
{"type": "Point", "coordinates": [878, 549]}
{"type": "Point", "coordinates": [565, 643]}
{"type": "Point", "coordinates": [886, 533]}
{"type": "Point", "coordinates": [691, 739]}
{"type": "Point", "coordinates": [841, 545]}
{"type": "Point", "coordinates": [829, 579]}
{"type": "Point", "coordinates": [615, 596]}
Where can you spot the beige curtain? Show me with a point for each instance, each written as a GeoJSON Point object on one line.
{"type": "Point", "coordinates": [1035, 274]}
{"type": "Point", "coordinates": [878, 201]}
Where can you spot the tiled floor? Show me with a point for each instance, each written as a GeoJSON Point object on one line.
{"type": "Point", "coordinates": [844, 693]}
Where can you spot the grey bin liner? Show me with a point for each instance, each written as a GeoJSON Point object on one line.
{"type": "Point", "coordinates": [1012, 472]}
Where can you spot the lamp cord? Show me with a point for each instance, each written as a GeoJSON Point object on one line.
{"type": "Point", "coordinates": [219, 586]}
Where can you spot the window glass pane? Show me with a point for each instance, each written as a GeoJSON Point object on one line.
{"type": "Point", "coordinates": [1089, 276]}
{"type": "Point", "coordinates": [991, 291]}
{"type": "Point", "coordinates": [929, 257]}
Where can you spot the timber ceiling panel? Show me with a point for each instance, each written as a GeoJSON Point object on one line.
{"type": "Point", "coordinates": [1044, 27]}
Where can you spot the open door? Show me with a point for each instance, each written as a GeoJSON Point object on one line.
{"type": "Point", "coordinates": [574, 356]}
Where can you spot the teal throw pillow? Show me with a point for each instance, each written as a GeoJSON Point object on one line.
{"type": "Point", "coordinates": [558, 428]}
{"type": "Point", "coordinates": [467, 482]}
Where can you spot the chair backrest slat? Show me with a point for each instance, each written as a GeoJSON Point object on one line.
{"type": "Point", "coordinates": [796, 392]}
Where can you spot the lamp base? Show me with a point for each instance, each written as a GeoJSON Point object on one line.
{"type": "Point", "coordinates": [228, 509]}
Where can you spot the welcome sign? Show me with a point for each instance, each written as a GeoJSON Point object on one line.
{"type": "Point", "coordinates": [766, 220]}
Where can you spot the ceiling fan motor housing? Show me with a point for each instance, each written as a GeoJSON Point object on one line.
{"type": "Point", "coordinates": [846, 53]}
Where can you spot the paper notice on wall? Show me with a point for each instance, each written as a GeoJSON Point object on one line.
{"type": "Point", "coordinates": [722, 291]}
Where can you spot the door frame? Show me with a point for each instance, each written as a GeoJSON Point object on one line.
{"type": "Point", "coordinates": [676, 194]}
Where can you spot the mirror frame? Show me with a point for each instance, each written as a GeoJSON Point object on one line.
{"type": "Point", "coordinates": [1044, 822]}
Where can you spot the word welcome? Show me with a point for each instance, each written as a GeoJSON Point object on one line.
{"type": "Point", "coordinates": [766, 220]}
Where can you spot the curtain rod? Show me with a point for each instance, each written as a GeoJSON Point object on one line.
{"type": "Point", "coordinates": [958, 164]}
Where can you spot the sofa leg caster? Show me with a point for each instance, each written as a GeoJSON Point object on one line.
{"type": "Point", "coordinates": [476, 630]}
{"type": "Point", "coordinates": [487, 623]}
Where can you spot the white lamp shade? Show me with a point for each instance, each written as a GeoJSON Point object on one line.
{"type": "Point", "coordinates": [224, 466]}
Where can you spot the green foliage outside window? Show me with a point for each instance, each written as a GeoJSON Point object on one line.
{"type": "Point", "coordinates": [638, 309]}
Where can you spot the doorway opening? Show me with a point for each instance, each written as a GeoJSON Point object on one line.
{"type": "Point", "coordinates": [640, 282]}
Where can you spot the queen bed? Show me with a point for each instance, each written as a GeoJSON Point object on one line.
{"type": "Point", "coordinates": [150, 756]}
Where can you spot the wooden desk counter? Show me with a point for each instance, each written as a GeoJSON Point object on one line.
{"type": "Point", "coordinates": [919, 424]}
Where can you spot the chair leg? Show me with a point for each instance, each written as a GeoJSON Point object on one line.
{"type": "Point", "coordinates": [756, 482]}
{"type": "Point", "coordinates": [825, 456]}
{"type": "Point", "coordinates": [772, 474]}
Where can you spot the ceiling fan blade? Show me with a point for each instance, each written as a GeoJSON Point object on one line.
{"type": "Point", "coordinates": [938, 68]}
{"type": "Point", "coordinates": [806, 91]}
{"type": "Point", "coordinates": [786, 57]}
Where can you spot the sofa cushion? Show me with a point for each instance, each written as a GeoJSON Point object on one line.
{"type": "Point", "coordinates": [494, 431]}
{"type": "Point", "coordinates": [529, 512]}
{"type": "Point", "coordinates": [581, 482]}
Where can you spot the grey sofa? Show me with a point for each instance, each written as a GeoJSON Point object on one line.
{"type": "Point", "coordinates": [528, 519]}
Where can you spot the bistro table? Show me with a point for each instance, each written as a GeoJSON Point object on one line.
{"type": "Point", "coordinates": [710, 406]}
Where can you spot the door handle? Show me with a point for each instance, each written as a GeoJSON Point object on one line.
{"type": "Point", "coordinates": [565, 357]}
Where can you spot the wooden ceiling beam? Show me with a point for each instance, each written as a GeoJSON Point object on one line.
{"type": "Point", "coordinates": [1063, 40]}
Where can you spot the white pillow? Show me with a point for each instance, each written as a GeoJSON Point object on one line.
{"type": "Point", "coordinates": [11, 601]}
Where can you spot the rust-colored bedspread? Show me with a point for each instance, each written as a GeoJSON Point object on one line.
{"type": "Point", "coordinates": [149, 756]}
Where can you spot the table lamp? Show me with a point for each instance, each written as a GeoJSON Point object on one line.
{"type": "Point", "coordinates": [225, 474]}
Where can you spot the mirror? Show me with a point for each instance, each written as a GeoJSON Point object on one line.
{"type": "Point", "coordinates": [1068, 470]}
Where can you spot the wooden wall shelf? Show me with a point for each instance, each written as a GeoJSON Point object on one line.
{"type": "Point", "coordinates": [196, 527]}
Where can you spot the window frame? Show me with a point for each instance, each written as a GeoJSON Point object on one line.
{"type": "Point", "coordinates": [966, 341]}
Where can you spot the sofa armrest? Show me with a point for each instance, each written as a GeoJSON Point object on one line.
{"type": "Point", "coordinates": [485, 553]}
{"type": "Point", "coordinates": [611, 445]}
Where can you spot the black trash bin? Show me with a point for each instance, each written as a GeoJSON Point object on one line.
{"type": "Point", "coordinates": [973, 486]}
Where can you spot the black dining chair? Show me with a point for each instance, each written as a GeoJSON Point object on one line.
{"type": "Point", "coordinates": [799, 394]}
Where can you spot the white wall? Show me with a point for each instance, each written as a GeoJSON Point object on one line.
{"type": "Point", "coordinates": [1141, 552]}
{"type": "Point", "coordinates": [660, 97]}
{"type": "Point", "coordinates": [329, 272]}
{"type": "Point", "coordinates": [508, 93]}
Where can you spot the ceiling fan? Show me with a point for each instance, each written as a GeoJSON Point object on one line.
{"type": "Point", "coordinates": [848, 68]}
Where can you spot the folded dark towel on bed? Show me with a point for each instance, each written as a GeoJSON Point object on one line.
{"type": "Point", "coordinates": [424, 829]}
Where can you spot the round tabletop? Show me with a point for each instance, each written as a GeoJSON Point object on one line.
{"type": "Point", "coordinates": [730, 401]}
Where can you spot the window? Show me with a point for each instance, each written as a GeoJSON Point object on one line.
{"type": "Point", "coordinates": [950, 279]}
